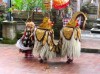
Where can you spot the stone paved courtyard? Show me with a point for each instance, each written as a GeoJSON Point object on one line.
{"type": "Point", "coordinates": [13, 62]}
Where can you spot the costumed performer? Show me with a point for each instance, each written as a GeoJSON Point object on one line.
{"type": "Point", "coordinates": [69, 43]}
{"type": "Point", "coordinates": [26, 42]}
{"type": "Point", "coordinates": [44, 43]}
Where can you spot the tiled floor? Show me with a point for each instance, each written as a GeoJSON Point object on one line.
{"type": "Point", "coordinates": [13, 62]}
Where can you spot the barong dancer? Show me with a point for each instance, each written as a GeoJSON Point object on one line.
{"type": "Point", "coordinates": [69, 43]}
{"type": "Point", "coordinates": [44, 43]}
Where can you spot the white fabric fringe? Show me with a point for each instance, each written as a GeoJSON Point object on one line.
{"type": "Point", "coordinates": [70, 47]}
{"type": "Point", "coordinates": [43, 51]}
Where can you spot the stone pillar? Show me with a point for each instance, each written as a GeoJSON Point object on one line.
{"type": "Point", "coordinates": [73, 4]}
{"type": "Point", "coordinates": [9, 30]}
{"type": "Point", "coordinates": [99, 9]}
{"type": "Point", "coordinates": [78, 5]}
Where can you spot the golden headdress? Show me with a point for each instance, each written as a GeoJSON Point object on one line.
{"type": "Point", "coordinates": [73, 22]}
{"type": "Point", "coordinates": [45, 24]}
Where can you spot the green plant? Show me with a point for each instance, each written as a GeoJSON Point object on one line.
{"type": "Point", "coordinates": [19, 34]}
{"type": "Point", "coordinates": [27, 5]}
{"type": "Point", "coordinates": [2, 17]}
{"type": "Point", "coordinates": [8, 41]}
{"type": "Point", "coordinates": [22, 6]}
{"type": "Point", "coordinates": [2, 10]}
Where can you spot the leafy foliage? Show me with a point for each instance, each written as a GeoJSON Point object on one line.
{"type": "Point", "coordinates": [27, 5]}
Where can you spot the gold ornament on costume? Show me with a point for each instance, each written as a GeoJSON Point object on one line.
{"type": "Point", "coordinates": [46, 24]}
{"type": "Point", "coordinates": [68, 32]}
{"type": "Point", "coordinates": [45, 38]}
{"type": "Point", "coordinates": [40, 34]}
{"type": "Point", "coordinates": [44, 31]}
{"type": "Point", "coordinates": [73, 23]}
{"type": "Point", "coordinates": [72, 26]}
{"type": "Point", "coordinates": [45, 19]}
{"type": "Point", "coordinates": [75, 34]}
{"type": "Point", "coordinates": [78, 33]}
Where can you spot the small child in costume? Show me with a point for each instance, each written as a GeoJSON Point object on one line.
{"type": "Point", "coordinates": [26, 42]}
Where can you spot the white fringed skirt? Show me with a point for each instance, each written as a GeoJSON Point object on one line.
{"type": "Point", "coordinates": [43, 51]}
{"type": "Point", "coordinates": [71, 47]}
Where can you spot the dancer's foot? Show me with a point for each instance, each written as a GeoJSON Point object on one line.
{"type": "Point", "coordinates": [26, 55]}
{"type": "Point", "coordinates": [45, 59]}
{"type": "Point", "coordinates": [30, 56]}
{"type": "Point", "coordinates": [69, 61]}
{"type": "Point", "coordinates": [41, 61]}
